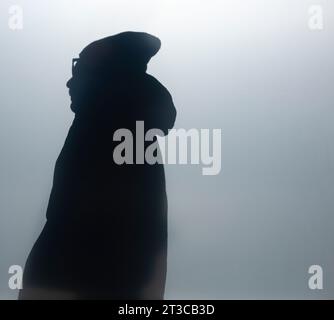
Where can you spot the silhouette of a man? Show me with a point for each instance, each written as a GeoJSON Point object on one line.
{"type": "Point", "coordinates": [106, 230]}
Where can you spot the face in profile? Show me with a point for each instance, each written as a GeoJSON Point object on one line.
{"type": "Point", "coordinates": [83, 84]}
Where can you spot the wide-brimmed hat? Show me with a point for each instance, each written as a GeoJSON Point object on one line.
{"type": "Point", "coordinates": [124, 51]}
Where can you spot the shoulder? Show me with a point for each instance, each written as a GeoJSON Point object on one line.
{"type": "Point", "coordinates": [156, 86]}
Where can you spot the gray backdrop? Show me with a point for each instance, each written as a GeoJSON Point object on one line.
{"type": "Point", "coordinates": [252, 68]}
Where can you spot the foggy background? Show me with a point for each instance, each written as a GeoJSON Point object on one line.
{"type": "Point", "coordinates": [252, 68]}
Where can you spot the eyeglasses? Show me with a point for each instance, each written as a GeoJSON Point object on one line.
{"type": "Point", "coordinates": [74, 62]}
{"type": "Point", "coordinates": [86, 69]}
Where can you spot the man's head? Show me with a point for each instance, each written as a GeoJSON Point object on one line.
{"type": "Point", "coordinates": [109, 58]}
